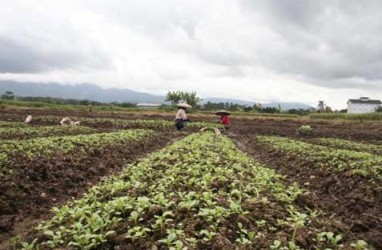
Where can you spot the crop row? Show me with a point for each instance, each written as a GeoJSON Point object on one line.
{"type": "Point", "coordinates": [6, 124]}
{"type": "Point", "coordinates": [43, 147]}
{"type": "Point", "coordinates": [350, 117]}
{"type": "Point", "coordinates": [121, 123]}
{"type": "Point", "coordinates": [42, 131]}
{"type": "Point", "coordinates": [321, 156]}
{"type": "Point", "coordinates": [350, 145]}
{"type": "Point", "coordinates": [199, 193]}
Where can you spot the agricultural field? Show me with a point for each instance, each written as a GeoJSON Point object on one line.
{"type": "Point", "coordinates": [131, 181]}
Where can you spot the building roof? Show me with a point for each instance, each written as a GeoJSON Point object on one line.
{"type": "Point", "coordinates": [364, 100]}
{"type": "Point", "coordinates": [145, 104]}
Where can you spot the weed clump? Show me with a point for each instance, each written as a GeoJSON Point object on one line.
{"type": "Point", "coordinates": [305, 130]}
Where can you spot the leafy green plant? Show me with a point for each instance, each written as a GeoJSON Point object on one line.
{"type": "Point", "coordinates": [44, 147]}
{"type": "Point", "coordinates": [305, 130]}
{"type": "Point", "coordinates": [246, 236]}
{"type": "Point", "coordinates": [360, 245]}
{"type": "Point", "coordinates": [334, 159]}
{"type": "Point", "coordinates": [164, 219]}
{"type": "Point", "coordinates": [330, 238]}
{"type": "Point", "coordinates": [207, 235]}
{"type": "Point", "coordinates": [137, 232]}
{"type": "Point", "coordinates": [192, 189]}
{"type": "Point", "coordinates": [30, 246]}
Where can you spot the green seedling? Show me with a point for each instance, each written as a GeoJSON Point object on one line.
{"type": "Point", "coordinates": [30, 246]}
{"type": "Point", "coordinates": [330, 238]}
{"type": "Point", "coordinates": [207, 235]}
{"type": "Point", "coordinates": [360, 245]}
{"type": "Point", "coordinates": [162, 220]}
{"type": "Point", "coordinates": [137, 232]}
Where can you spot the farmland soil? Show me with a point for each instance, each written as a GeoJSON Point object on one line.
{"type": "Point", "coordinates": [354, 200]}
{"type": "Point", "coordinates": [359, 131]}
{"type": "Point", "coordinates": [39, 184]}
{"type": "Point", "coordinates": [362, 131]}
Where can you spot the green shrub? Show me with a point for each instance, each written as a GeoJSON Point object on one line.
{"type": "Point", "coordinates": [305, 130]}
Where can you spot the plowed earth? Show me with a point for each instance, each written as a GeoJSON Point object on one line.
{"type": "Point", "coordinates": [39, 184]}
{"type": "Point", "coordinates": [356, 201]}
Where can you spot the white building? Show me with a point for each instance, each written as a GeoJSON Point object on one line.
{"type": "Point", "coordinates": [363, 105]}
{"type": "Point", "coordinates": [148, 105]}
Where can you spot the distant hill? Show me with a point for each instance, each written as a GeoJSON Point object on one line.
{"type": "Point", "coordinates": [288, 105]}
{"type": "Point", "coordinates": [83, 91]}
{"type": "Point", "coordinates": [284, 105]}
{"type": "Point", "coordinates": [86, 91]}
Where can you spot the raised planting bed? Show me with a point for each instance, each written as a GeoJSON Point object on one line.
{"type": "Point", "coordinates": [338, 160]}
{"type": "Point", "coordinates": [7, 124]}
{"type": "Point", "coordinates": [349, 145]}
{"type": "Point", "coordinates": [29, 132]}
{"type": "Point", "coordinates": [199, 193]}
{"type": "Point", "coordinates": [45, 147]}
{"type": "Point", "coordinates": [34, 184]}
{"type": "Point", "coordinates": [352, 198]}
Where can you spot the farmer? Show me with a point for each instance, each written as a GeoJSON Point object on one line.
{"type": "Point", "coordinates": [68, 121]}
{"type": "Point", "coordinates": [28, 120]}
{"type": "Point", "coordinates": [181, 116]}
{"type": "Point", "coordinates": [90, 107]}
{"type": "Point", "coordinates": [224, 118]}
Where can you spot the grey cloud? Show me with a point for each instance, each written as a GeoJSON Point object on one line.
{"type": "Point", "coordinates": [329, 43]}
{"type": "Point", "coordinates": [19, 56]}
{"type": "Point", "coordinates": [153, 18]}
{"type": "Point", "coordinates": [350, 30]}
{"type": "Point", "coordinates": [224, 58]}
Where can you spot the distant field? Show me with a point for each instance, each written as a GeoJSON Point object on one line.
{"type": "Point", "coordinates": [351, 117]}
{"type": "Point", "coordinates": [129, 179]}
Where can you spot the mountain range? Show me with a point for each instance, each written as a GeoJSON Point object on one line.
{"type": "Point", "coordinates": [87, 91]}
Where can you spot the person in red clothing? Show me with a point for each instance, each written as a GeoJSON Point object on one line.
{"type": "Point", "coordinates": [224, 118]}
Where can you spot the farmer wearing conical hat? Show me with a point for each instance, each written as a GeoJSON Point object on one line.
{"type": "Point", "coordinates": [181, 116]}
{"type": "Point", "coordinates": [29, 119]}
{"type": "Point", "coordinates": [224, 118]}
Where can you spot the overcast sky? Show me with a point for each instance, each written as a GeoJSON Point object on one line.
{"type": "Point", "coordinates": [257, 50]}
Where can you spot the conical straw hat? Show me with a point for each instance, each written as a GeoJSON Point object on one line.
{"type": "Point", "coordinates": [184, 105]}
{"type": "Point", "coordinates": [222, 112]}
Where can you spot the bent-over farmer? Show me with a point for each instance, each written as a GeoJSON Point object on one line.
{"type": "Point", "coordinates": [224, 118]}
{"type": "Point", "coordinates": [181, 116]}
{"type": "Point", "coordinates": [29, 119]}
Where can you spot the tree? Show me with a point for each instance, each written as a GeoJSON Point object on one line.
{"type": "Point", "coordinates": [321, 106]}
{"type": "Point", "coordinates": [8, 95]}
{"type": "Point", "coordinates": [175, 96]}
{"type": "Point", "coordinates": [247, 109]}
{"type": "Point", "coordinates": [271, 110]}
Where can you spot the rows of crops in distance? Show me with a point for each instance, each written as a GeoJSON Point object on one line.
{"type": "Point", "coordinates": [194, 194]}
{"type": "Point", "coordinates": [350, 117]}
{"type": "Point", "coordinates": [43, 147]}
{"type": "Point", "coordinates": [333, 159]}
{"type": "Point", "coordinates": [121, 123]}
{"type": "Point", "coordinates": [6, 124]}
{"type": "Point", "coordinates": [349, 145]}
{"type": "Point", "coordinates": [42, 131]}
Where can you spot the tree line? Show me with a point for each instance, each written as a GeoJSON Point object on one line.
{"type": "Point", "coordinates": [174, 97]}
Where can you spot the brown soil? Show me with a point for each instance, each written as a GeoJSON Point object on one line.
{"type": "Point", "coordinates": [40, 184]}
{"type": "Point", "coordinates": [354, 200]}
{"type": "Point", "coordinates": [20, 115]}
{"type": "Point", "coordinates": [361, 131]}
